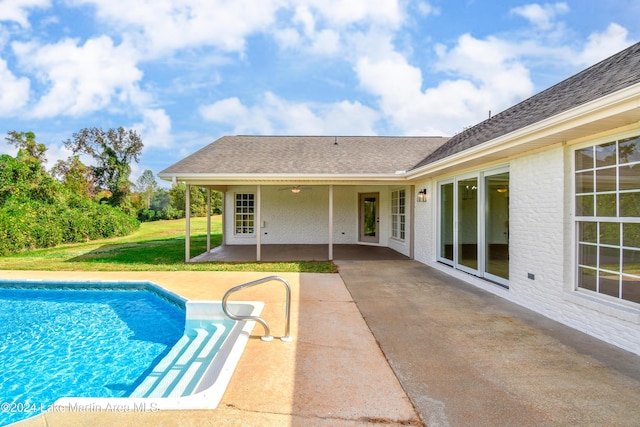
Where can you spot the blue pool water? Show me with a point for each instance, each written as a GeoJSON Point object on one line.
{"type": "Point", "coordinates": [86, 342]}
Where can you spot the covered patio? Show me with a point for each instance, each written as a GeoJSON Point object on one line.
{"type": "Point", "coordinates": [298, 252]}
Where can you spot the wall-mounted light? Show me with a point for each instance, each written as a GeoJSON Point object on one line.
{"type": "Point", "coordinates": [295, 189]}
{"type": "Point", "coordinates": [422, 195]}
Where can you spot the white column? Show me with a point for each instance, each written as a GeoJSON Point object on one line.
{"type": "Point", "coordinates": [224, 214]}
{"type": "Point", "coordinates": [330, 222]}
{"type": "Point", "coordinates": [257, 222]}
{"type": "Point", "coordinates": [187, 216]}
{"type": "Point", "coordinates": [208, 220]}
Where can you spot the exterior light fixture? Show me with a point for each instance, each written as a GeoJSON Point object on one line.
{"type": "Point", "coordinates": [422, 195]}
{"type": "Point", "coordinates": [295, 189]}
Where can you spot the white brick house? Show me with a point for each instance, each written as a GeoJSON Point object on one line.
{"type": "Point", "coordinates": [539, 204]}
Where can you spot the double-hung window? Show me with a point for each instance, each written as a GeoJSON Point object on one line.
{"type": "Point", "coordinates": [244, 213]}
{"type": "Point", "coordinates": [607, 207]}
{"type": "Point", "coordinates": [398, 216]}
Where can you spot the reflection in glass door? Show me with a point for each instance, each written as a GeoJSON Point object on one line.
{"type": "Point", "coordinates": [446, 222]}
{"type": "Point", "coordinates": [468, 223]}
{"type": "Point", "coordinates": [497, 226]}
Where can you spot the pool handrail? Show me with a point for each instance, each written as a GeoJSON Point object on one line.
{"type": "Point", "coordinates": [267, 331]}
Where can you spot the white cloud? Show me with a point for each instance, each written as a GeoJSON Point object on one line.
{"type": "Point", "coordinates": [273, 115]}
{"type": "Point", "coordinates": [485, 75]}
{"type": "Point", "coordinates": [160, 27]}
{"type": "Point", "coordinates": [602, 45]}
{"type": "Point", "coordinates": [80, 78]}
{"type": "Point", "coordinates": [426, 9]}
{"type": "Point", "coordinates": [155, 129]}
{"type": "Point", "coordinates": [18, 10]}
{"type": "Point", "coordinates": [14, 91]}
{"type": "Point", "coordinates": [542, 16]}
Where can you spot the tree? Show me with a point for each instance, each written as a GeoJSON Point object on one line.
{"type": "Point", "coordinates": [27, 145]}
{"type": "Point", "coordinates": [76, 176]}
{"type": "Point", "coordinates": [146, 186]}
{"type": "Point", "coordinates": [113, 150]}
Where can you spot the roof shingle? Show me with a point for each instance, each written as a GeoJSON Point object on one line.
{"type": "Point", "coordinates": [307, 155]}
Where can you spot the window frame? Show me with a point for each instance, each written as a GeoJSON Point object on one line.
{"type": "Point", "coordinates": [244, 208]}
{"type": "Point", "coordinates": [598, 236]}
{"type": "Point", "coordinates": [399, 214]}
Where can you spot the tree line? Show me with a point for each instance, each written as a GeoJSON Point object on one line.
{"type": "Point", "coordinates": [74, 202]}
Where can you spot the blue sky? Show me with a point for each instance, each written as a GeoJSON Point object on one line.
{"type": "Point", "coordinates": [186, 72]}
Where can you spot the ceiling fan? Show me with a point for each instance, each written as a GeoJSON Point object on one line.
{"type": "Point", "coordinates": [296, 189]}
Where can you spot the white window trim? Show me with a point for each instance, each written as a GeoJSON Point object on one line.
{"type": "Point", "coordinates": [618, 307]}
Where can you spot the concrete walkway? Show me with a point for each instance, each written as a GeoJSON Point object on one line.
{"type": "Point", "coordinates": [468, 358]}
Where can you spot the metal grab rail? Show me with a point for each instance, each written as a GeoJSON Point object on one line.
{"type": "Point", "coordinates": [267, 331]}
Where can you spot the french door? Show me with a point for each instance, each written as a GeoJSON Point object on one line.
{"type": "Point", "coordinates": [473, 232]}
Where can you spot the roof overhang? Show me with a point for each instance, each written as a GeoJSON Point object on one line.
{"type": "Point", "coordinates": [609, 112]}
{"type": "Point", "coordinates": [285, 179]}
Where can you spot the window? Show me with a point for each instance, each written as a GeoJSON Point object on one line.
{"type": "Point", "coordinates": [245, 209]}
{"type": "Point", "coordinates": [398, 216]}
{"type": "Point", "coordinates": [607, 204]}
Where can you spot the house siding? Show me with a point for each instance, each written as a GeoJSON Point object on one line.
{"type": "Point", "coordinates": [541, 243]}
{"type": "Point", "coordinates": [303, 218]}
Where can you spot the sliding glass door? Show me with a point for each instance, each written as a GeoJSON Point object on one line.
{"type": "Point", "coordinates": [474, 224]}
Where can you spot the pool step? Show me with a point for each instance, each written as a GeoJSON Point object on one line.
{"type": "Point", "coordinates": [179, 372]}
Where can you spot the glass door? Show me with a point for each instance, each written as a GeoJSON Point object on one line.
{"type": "Point", "coordinates": [496, 235]}
{"type": "Point", "coordinates": [369, 218]}
{"type": "Point", "coordinates": [473, 224]}
{"type": "Point", "coordinates": [467, 210]}
{"type": "Point", "coordinates": [445, 253]}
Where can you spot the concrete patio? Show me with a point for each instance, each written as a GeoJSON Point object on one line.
{"type": "Point", "coordinates": [394, 342]}
{"type": "Point", "coordinates": [269, 253]}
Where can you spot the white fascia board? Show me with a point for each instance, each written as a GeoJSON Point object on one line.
{"type": "Point", "coordinates": [320, 179]}
{"type": "Point", "coordinates": [619, 102]}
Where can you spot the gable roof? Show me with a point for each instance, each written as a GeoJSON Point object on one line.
{"type": "Point", "coordinates": [606, 77]}
{"type": "Point", "coordinates": [301, 155]}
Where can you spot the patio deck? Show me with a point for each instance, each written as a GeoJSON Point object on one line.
{"type": "Point", "coordinates": [461, 356]}
{"type": "Point", "coordinates": [271, 253]}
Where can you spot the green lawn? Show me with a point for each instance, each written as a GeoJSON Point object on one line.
{"type": "Point", "coordinates": [156, 246]}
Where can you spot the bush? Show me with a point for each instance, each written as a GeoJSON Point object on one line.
{"type": "Point", "coordinates": [28, 224]}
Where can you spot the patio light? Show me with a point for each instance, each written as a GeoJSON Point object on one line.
{"type": "Point", "coordinates": [422, 195]}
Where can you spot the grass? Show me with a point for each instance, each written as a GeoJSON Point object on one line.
{"type": "Point", "coordinates": [156, 246]}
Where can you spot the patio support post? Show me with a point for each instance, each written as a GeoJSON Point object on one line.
{"type": "Point", "coordinates": [330, 222]}
{"type": "Point", "coordinates": [256, 221]}
{"type": "Point", "coordinates": [208, 220]}
{"type": "Point", "coordinates": [224, 214]}
{"type": "Point", "coordinates": [187, 217]}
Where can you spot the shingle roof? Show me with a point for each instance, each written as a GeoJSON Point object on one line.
{"type": "Point", "coordinates": [617, 72]}
{"type": "Point", "coordinates": [307, 155]}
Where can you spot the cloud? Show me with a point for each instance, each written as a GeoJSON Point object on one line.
{"type": "Point", "coordinates": [159, 27]}
{"type": "Point", "coordinates": [602, 45]}
{"type": "Point", "coordinates": [541, 16]}
{"type": "Point", "coordinates": [14, 91]}
{"type": "Point", "coordinates": [273, 115]}
{"type": "Point", "coordinates": [483, 75]}
{"type": "Point", "coordinates": [18, 10]}
{"type": "Point", "coordinates": [155, 129]}
{"type": "Point", "coordinates": [80, 79]}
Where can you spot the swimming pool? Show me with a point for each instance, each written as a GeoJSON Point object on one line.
{"type": "Point", "coordinates": [184, 351]}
